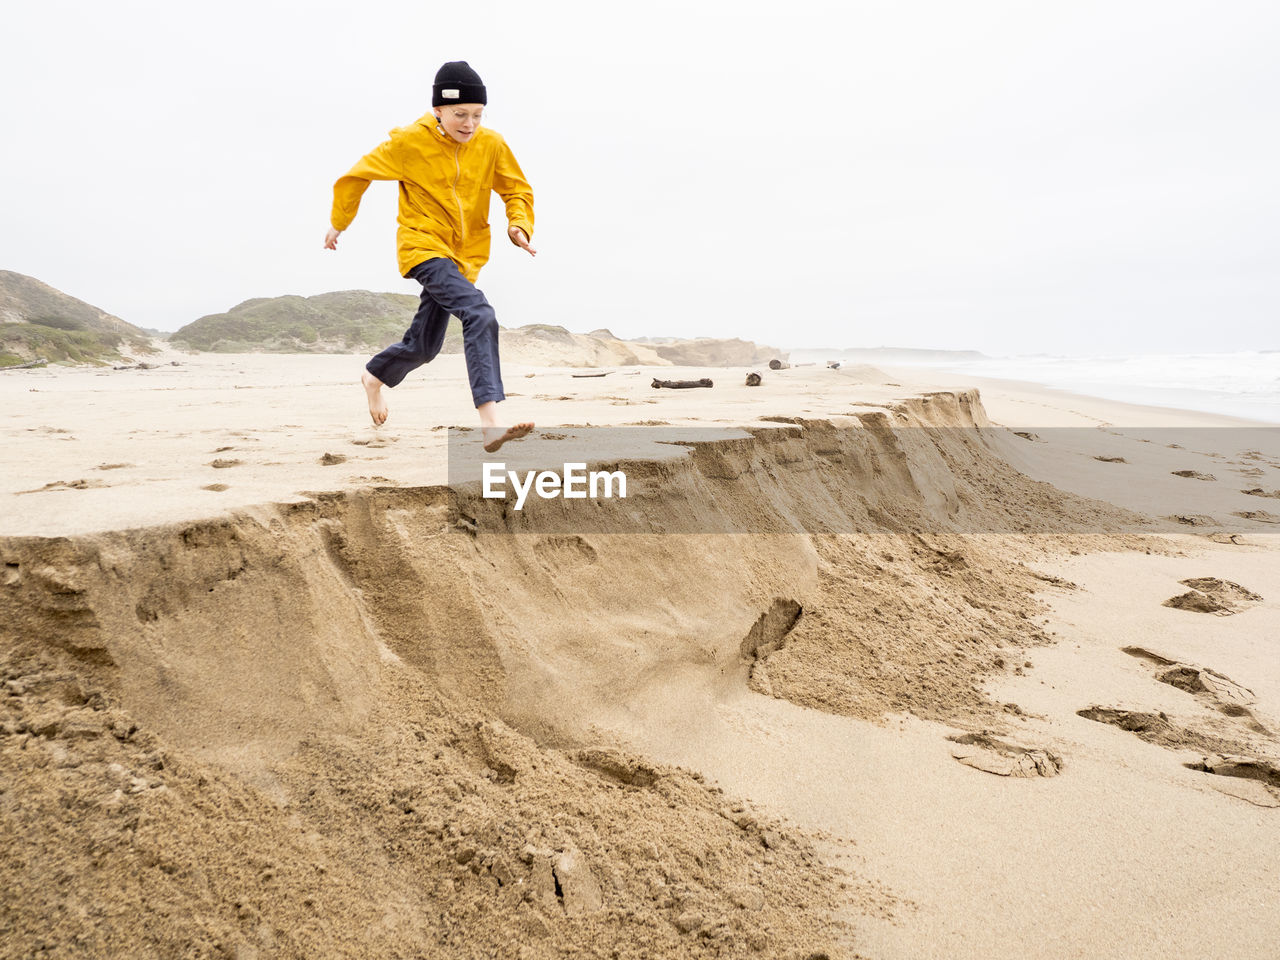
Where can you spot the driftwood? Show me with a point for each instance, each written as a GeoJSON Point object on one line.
{"type": "Point", "coordinates": [681, 384]}
{"type": "Point", "coordinates": [776, 364]}
{"type": "Point", "coordinates": [24, 366]}
{"type": "Point", "coordinates": [753, 379]}
{"type": "Point", "coordinates": [580, 375]}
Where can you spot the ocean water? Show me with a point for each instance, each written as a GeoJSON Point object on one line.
{"type": "Point", "coordinates": [1236, 384]}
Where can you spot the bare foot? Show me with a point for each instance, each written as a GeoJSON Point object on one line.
{"type": "Point", "coordinates": [495, 437]}
{"type": "Point", "coordinates": [377, 406]}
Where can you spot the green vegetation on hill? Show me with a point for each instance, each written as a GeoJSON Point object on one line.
{"type": "Point", "coordinates": [38, 321]}
{"type": "Point", "coordinates": [21, 342]}
{"type": "Point", "coordinates": [339, 322]}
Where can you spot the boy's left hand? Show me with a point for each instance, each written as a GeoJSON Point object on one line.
{"type": "Point", "coordinates": [519, 238]}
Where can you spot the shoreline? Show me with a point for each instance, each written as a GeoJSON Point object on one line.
{"type": "Point", "coordinates": [1134, 414]}
{"type": "Point", "coordinates": [1208, 383]}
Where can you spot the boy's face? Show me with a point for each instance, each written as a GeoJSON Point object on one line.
{"type": "Point", "coordinates": [460, 120]}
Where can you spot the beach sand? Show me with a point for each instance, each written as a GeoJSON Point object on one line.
{"type": "Point", "coordinates": [993, 670]}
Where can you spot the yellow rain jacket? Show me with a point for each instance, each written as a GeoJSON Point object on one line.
{"type": "Point", "coordinates": [444, 193]}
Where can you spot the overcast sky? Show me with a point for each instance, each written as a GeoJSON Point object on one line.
{"type": "Point", "coordinates": [1013, 177]}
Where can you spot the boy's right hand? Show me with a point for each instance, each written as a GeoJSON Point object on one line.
{"type": "Point", "coordinates": [331, 239]}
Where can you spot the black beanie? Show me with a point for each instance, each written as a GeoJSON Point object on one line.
{"type": "Point", "coordinates": [456, 82]}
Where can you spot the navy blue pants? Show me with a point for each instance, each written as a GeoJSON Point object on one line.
{"type": "Point", "coordinates": [446, 291]}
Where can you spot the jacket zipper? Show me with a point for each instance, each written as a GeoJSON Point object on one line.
{"type": "Point", "coordinates": [462, 223]}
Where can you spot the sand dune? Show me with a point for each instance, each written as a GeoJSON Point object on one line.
{"type": "Point", "coordinates": [553, 346]}
{"type": "Point", "coordinates": [390, 717]}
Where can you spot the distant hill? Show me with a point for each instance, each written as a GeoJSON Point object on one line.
{"type": "Point", "coordinates": [713, 352]}
{"type": "Point", "coordinates": [361, 320]}
{"type": "Point", "coordinates": [339, 322]}
{"type": "Point", "coordinates": [547, 345]}
{"type": "Point", "coordinates": [542, 344]}
{"type": "Point", "coordinates": [38, 321]}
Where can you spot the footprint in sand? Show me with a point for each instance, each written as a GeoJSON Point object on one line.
{"type": "Point", "coordinates": [1258, 456]}
{"type": "Point", "coordinates": [1194, 475]}
{"type": "Point", "coordinates": [1193, 519]}
{"type": "Point", "coordinates": [1211, 595]}
{"type": "Point", "coordinates": [1249, 779]}
{"type": "Point", "coordinates": [1259, 492]}
{"type": "Point", "coordinates": [1157, 728]}
{"type": "Point", "coordinates": [1231, 538]}
{"type": "Point", "coordinates": [1217, 689]}
{"type": "Point", "coordinates": [1111, 459]}
{"type": "Point", "coordinates": [991, 755]}
{"type": "Point", "coordinates": [67, 485]}
{"type": "Point", "coordinates": [767, 636]}
{"type": "Point", "coordinates": [222, 464]}
{"type": "Point", "coordinates": [1224, 756]}
{"type": "Point", "coordinates": [1260, 515]}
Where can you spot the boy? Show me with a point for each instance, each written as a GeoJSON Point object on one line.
{"type": "Point", "coordinates": [447, 165]}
